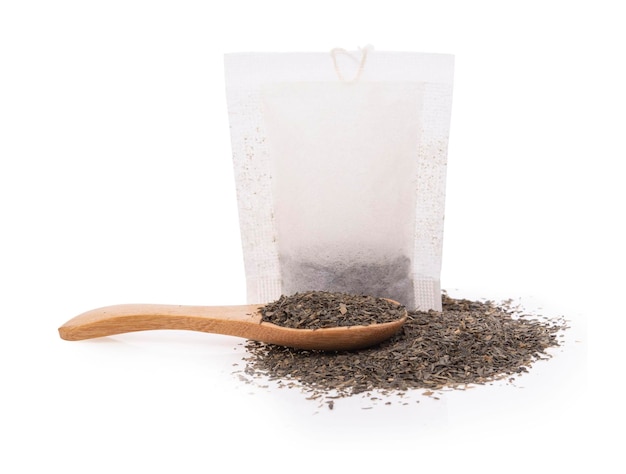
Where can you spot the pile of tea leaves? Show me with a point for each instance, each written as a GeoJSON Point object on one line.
{"type": "Point", "coordinates": [320, 309]}
{"type": "Point", "coordinates": [467, 343]}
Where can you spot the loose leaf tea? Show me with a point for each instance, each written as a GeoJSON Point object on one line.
{"type": "Point", "coordinates": [320, 309]}
{"type": "Point", "coordinates": [469, 342]}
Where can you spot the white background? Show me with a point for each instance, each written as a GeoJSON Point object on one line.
{"type": "Point", "coordinates": [116, 186]}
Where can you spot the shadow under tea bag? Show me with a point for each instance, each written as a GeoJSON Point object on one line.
{"type": "Point", "coordinates": [340, 171]}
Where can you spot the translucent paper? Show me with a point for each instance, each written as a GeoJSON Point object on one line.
{"type": "Point", "coordinates": [339, 162]}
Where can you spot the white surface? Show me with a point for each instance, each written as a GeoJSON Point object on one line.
{"type": "Point", "coordinates": [116, 186]}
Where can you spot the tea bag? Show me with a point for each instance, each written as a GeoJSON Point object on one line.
{"type": "Point", "coordinates": [339, 163]}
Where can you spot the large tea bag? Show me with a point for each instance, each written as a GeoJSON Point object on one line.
{"type": "Point", "coordinates": [340, 169]}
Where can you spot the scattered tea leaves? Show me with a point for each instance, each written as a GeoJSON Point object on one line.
{"type": "Point", "coordinates": [469, 342]}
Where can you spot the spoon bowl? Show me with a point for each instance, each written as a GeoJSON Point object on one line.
{"type": "Point", "coordinates": [241, 321]}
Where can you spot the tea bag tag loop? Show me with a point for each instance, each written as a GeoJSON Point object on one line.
{"type": "Point", "coordinates": [364, 52]}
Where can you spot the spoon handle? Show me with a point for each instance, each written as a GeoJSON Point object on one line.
{"type": "Point", "coordinates": [109, 320]}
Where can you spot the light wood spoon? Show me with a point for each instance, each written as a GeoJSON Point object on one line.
{"type": "Point", "coordinates": [242, 321]}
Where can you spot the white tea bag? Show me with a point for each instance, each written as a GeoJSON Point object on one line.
{"type": "Point", "coordinates": [340, 163]}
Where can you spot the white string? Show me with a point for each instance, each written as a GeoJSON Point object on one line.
{"type": "Point", "coordinates": [359, 72]}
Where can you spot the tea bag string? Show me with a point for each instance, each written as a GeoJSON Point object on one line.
{"type": "Point", "coordinates": [359, 72]}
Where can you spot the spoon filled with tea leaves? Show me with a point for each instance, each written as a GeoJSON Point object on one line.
{"type": "Point", "coordinates": [312, 321]}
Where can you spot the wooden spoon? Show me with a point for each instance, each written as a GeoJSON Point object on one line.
{"type": "Point", "coordinates": [242, 321]}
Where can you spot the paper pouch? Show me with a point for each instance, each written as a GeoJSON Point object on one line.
{"type": "Point", "coordinates": [340, 162]}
